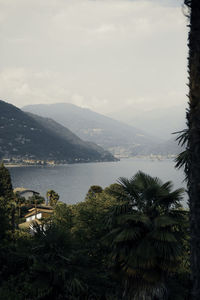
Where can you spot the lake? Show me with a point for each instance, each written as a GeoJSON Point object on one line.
{"type": "Point", "coordinates": [72, 181]}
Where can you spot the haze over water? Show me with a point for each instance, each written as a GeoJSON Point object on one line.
{"type": "Point", "coordinates": [72, 182]}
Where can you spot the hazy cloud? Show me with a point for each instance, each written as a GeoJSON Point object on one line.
{"type": "Point", "coordinates": [103, 54]}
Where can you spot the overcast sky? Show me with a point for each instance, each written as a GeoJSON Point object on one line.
{"type": "Point", "coordinates": [103, 54]}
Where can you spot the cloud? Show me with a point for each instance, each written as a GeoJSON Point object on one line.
{"type": "Point", "coordinates": [97, 54]}
{"type": "Point", "coordinates": [22, 87]}
{"type": "Point", "coordinates": [104, 29]}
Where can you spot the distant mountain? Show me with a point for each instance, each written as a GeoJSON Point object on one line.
{"type": "Point", "coordinates": [28, 136]}
{"type": "Point", "coordinates": [112, 135]}
{"type": "Point", "coordinates": [65, 134]}
{"type": "Point", "coordinates": [169, 147]}
{"type": "Point", "coordinates": [159, 122]}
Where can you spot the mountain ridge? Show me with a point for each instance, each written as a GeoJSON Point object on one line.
{"type": "Point", "coordinates": [110, 134]}
{"type": "Point", "coordinates": [22, 135]}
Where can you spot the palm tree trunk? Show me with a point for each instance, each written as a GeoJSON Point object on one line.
{"type": "Point", "coordinates": [193, 118]}
{"type": "Point", "coordinates": [124, 296]}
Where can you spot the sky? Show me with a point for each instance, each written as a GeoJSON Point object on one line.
{"type": "Point", "coordinates": [106, 55]}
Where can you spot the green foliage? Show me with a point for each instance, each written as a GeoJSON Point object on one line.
{"type": "Point", "coordinates": [128, 241]}
{"type": "Point", "coordinates": [63, 216]}
{"type": "Point", "coordinates": [6, 190]}
{"type": "Point", "coordinates": [36, 199]}
{"type": "Point", "coordinates": [52, 197]}
{"type": "Point", "coordinates": [7, 203]}
{"type": "Point", "coordinates": [89, 228]}
{"type": "Point", "coordinates": [90, 216]}
{"type": "Point", "coordinates": [148, 229]}
{"type": "Point", "coordinates": [94, 190]}
{"type": "Point", "coordinates": [4, 221]}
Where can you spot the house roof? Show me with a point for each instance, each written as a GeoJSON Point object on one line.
{"type": "Point", "coordinates": [49, 208]}
{"type": "Point", "coordinates": [38, 210]}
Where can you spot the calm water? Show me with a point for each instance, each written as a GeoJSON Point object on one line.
{"type": "Point", "coordinates": [72, 182]}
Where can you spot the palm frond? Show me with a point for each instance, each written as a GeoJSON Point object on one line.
{"type": "Point", "coordinates": [167, 186]}
{"type": "Point", "coordinates": [182, 160]}
{"type": "Point", "coordinates": [129, 188]}
{"type": "Point", "coordinates": [163, 236]}
{"type": "Point", "coordinates": [182, 137]}
{"type": "Point", "coordinates": [165, 221]}
{"type": "Point", "coordinates": [143, 181]}
{"type": "Point", "coordinates": [136, 217]}
{"type": "Point", "coordinates": [128, 234]}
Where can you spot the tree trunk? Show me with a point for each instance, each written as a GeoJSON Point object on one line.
{"type": "Point", "coordinates": [193, 117]}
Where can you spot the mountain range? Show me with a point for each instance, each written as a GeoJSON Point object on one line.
{"type": "Point", "coordinates": [112, 135]}
{"type": "Point", "coordinates": [41, 132]}
{"type": "Point", "coordinates": [159, 122]}
{"type": "Point", "coordinates": [30, 136]}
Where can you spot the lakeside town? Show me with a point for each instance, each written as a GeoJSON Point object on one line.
{"type": "Point", "coordinates": [22, 162]}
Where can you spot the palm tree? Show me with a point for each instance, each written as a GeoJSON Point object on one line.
{"type": "Point", "coordinates": [191, 158]}
{"type": "Point", "coordinates": [146, 235]}
{"type": "Point", "coordinates": [52, 197]}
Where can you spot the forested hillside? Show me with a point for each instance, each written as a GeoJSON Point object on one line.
{"type": "Point", "coordinates": [111, 134]}
{"type": "Point", "coordinates": [22, 135]}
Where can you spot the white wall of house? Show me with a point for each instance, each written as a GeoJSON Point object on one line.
{"type": "Point", "coordinates": [31, 218]}
{"type": "Point", "coordinates": [39, 216]}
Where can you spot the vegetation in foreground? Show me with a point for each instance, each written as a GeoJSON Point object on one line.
{"type": "Point", "coordinates": [128, 241]}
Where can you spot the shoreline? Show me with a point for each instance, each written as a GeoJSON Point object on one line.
{"type": "Point", "coordinates": [18, 165]}
{"type": "Point", "coordinates": [148, 157]}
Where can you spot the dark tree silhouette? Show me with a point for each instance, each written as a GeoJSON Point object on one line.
{"type": "Point", "coordinates": [192, 166]}
{"type": "Point", "coordinates": [5, 183]}
{"type": "Point", "coordinates": [148, 230]}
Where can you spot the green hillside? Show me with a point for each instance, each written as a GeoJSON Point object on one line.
{"type": "Point", "coordinates": [25, 136]}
